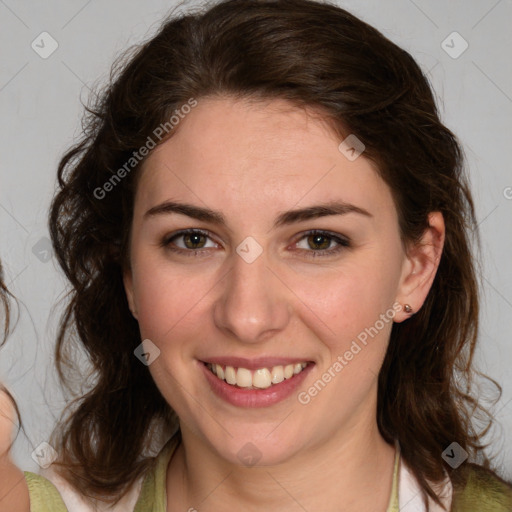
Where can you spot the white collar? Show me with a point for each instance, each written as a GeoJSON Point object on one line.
{"type": "Point", "coordinates": [409, 492]}
{"type": "Point", "coordinates": [76, 503]}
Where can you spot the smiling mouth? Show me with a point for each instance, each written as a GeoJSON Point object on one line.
{"type": "Point", "coordinates": [261, 378]}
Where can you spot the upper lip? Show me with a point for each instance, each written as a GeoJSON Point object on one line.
{"type": "Point", "coordinates": [255, 363]}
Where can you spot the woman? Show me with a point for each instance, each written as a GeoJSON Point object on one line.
{"type": "Point", "coordinates": [267, 230]}
{"type": "Point", "coordinates": [14, 495]}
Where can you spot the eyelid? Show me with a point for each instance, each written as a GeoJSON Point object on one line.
{"type": "Point", "coordinates": [166, 240]}
{"type": "Point", "coordinates": [343, 242]}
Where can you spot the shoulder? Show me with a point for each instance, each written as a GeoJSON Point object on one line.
{"type": "Point", "coordinates": [51, 493]}
{"type": "Point", "coordinates": [44, 496]}
{"type": "Point", "coordinates": [479, 489]}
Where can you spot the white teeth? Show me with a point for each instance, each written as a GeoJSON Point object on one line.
{"type": "Point", "coordinates": [244, 378]}
{"type": "Point", "coordinates": [230, 375]}
{"type": "Point", "coordinates": [288, 371]}
{"type": "Point", "coordinates": [219, 371]}
{"type": "Point", "coordinates": [262, 378]}
{"type": "Point", "coordinates": [277, 374]}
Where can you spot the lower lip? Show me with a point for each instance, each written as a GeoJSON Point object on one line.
{"type": "Point", "coordinates": [241, 397]}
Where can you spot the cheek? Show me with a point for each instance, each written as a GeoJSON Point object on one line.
{"type": "Point", "coordinates": [352, 310]}
{"type": "Point", "coordinates": [165, 298]}
{"type": "Point", "coordinates": [352, 298]}
{"type": "Point", "coordinates": [169, 314]}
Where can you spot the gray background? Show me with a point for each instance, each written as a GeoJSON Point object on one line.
{"type": "Point", "coordinates": [40, 103]}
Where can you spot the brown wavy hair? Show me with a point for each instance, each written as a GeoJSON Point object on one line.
{"type": "Point", "coordinates": [5, 308]}
{"type": "Point", "coordinates": [314, 55]}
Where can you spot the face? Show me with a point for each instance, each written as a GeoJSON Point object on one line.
{"type": "Point", "coordinates": [254, 287]}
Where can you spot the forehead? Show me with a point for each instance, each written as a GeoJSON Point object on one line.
{"type": "Point", "coordinates": [246, 155]}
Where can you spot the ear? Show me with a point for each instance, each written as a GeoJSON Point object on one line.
{"type": "Point", "coordinates": [128, 288]}
{"type": "Point", "coordinates": [420, 267]}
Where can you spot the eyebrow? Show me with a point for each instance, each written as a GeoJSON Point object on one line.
{"type": "Point", "coordinates": [284, 218]}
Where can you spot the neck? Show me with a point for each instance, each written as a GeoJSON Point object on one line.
{"type": "Point", "coordinates": [350, 471]}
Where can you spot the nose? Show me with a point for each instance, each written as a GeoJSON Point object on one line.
{"type": "Point", "coordinates": [253, 305]}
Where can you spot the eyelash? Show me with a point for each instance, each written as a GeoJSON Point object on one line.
{"type": "Point", "coordinates": [343, 242]}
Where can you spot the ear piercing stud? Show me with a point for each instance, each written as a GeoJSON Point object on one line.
{"type": "Point", "coordinates": [407, 308]}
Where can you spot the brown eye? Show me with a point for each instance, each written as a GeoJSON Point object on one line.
{"type": "Point", "coordinates": [190, 242]}
{"type": "Point", "coordinates": [319, 243]}
{"type": "Point", "coordinates": [193, 239]}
